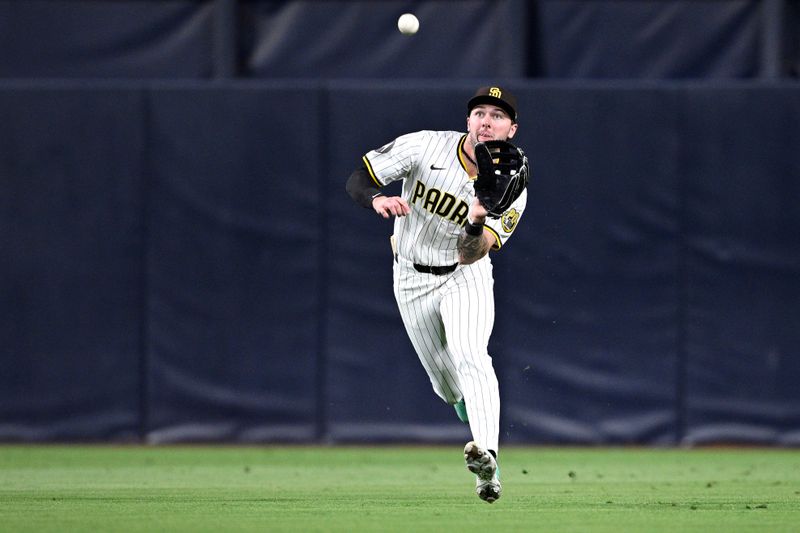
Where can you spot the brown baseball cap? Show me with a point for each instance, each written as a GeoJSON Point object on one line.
{"type": "Point", "coordinates": [497, 96]}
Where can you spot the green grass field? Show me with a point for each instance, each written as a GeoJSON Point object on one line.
{"type": "Point", "coordinates": [272, 488]}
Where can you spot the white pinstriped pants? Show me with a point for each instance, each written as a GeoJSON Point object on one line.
{"type": "Point", "coordinates": [449, 320]}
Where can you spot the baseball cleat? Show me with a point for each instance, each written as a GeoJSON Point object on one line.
{"type": "Point", "coordinates": [489, 491]}
{"type": "Point", "coordinates": [481, 463]}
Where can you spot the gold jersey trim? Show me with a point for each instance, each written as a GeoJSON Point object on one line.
{"type": "Point", "coordinates": [498, 243]}
{"type": "Point", "coordinates": [371, 172]}
{"type": "Point", "coordinates": [460, 153]}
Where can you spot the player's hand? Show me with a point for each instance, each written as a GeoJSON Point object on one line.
{"type": "Point", "coordinates": [477, 213]}
{"type": "Point", "coordinates": [387, 206]}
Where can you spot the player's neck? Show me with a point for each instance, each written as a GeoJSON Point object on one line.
{"type": "Point", "coordinates": [471, 165]}
{"type": "Point", "coordinates": [469, 157]}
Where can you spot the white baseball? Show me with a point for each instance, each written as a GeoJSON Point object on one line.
{"type": "Point", "coordinates": [408, 24]}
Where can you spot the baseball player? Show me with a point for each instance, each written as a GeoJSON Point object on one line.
{"type": "Point", "coordinates": [442, 271]}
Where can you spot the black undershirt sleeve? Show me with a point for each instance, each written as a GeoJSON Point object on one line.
{"type": "Point", "coordinates": [361, 187]}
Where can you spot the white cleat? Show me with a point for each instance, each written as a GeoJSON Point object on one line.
{"type": "Point", "coordinates": [481, 463]}
{"type": "Point", "coordinates": [489, 491]}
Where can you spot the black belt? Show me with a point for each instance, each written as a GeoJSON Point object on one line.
{"type": "Point", "coordinates": [436, 271]}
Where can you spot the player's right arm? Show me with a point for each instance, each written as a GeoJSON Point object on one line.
{"type": "Point", "coordinates": [391, 162]}
{"type": "Point", "coordinates": [361, 188]}
{"type": "Point", "coordinates": [387, 206]}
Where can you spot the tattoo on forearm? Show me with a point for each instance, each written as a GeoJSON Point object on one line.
{"type": "Point", "coordinates": [471, 247]}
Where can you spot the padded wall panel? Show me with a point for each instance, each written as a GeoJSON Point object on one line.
{"type": "Point", "coordinates": [359, 39]}
{"type": "Point", "coordinates": [233, 264]}
{"type": "Point", "coordinates": [742, 170]}
{"type": "Point", "coordinates": [646, 39]}
{"type": "Point", "coordinates": [71, 268]}
{"type": "Point", "coordinates": [98, 39]}
{"type": "Point", "coordinates": [586, 331]}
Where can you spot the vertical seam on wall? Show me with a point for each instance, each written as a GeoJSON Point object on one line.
{"type": "Point", "coordinates": [534, 62]}
{"type": "Point", "coordinates": [323, 267]}
{"type": "Point", "coordinates": [770, 63]}
{"type": "Point", "coordinates": [681, 274]}
{"type": "Point", "coordinates": [144, 298]}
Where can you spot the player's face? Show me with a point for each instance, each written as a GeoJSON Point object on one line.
{"type": "Point", "coordinates": [489, 123]}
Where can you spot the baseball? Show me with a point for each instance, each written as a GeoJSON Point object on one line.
{"type": "Point", "coordinates": [408, 24]}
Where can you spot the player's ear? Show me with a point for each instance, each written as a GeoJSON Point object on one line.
{"type": "Point", "coordinates": [513, 130]}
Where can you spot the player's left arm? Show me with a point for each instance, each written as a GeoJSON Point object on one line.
{"type": "Point", "coordinates": [475, 240]}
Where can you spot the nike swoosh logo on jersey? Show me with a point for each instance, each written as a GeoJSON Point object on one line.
{"type": "Point", "coordinates": [434, 167]}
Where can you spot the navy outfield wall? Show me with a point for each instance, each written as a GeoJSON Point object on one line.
{"type": "Point", "coordinates": [180, 262]}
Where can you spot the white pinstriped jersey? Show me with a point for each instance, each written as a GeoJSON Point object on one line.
{"type": "Point", "coordinates": [438, 190]}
